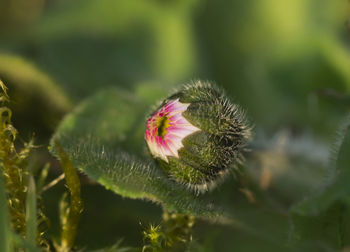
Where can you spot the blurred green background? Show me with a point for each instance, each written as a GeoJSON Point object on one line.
{"type": "Point", "coordinates": [286, 62]}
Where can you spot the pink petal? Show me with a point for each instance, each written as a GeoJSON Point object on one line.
{"type": "Point", "coordinates": [179, 128]}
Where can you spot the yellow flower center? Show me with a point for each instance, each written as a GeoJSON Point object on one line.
{"type": "Point", "coordinates": [162, 125]}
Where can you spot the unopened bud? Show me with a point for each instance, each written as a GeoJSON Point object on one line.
{"type": "Point", "coordinates": [197, 135]}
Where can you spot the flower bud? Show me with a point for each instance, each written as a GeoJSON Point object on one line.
{"type": "Point", "coordinates": [197, 135]}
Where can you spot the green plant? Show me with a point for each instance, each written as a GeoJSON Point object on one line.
{"type": "Point", "coordinates": [85, 76]}
{"type": "Point", "coordinates": [25, 208]}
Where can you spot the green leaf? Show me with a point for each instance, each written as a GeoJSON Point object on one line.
{"type": "Point", "coordinates": [42, 177]}
{"type": "Point", "coordinates": [4, 219]}
{"type": "Point", "coordinates": [104, 138]}
{"type": "Point", "coordinates": [8, 238]}
{"type": "Point", "coordinates": [324, 219]}
{"type": "Point", "coordinates": [31, 213]}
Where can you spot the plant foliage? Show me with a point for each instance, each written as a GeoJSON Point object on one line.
{"type": "Point", "coordinates": [99, 137]}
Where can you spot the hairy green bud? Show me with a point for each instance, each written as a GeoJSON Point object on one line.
{"type": "Point", "coordinates": [197, 135]}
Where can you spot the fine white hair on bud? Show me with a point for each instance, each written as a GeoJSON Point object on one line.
{"type": "Point", "coordinates": [197, 135]}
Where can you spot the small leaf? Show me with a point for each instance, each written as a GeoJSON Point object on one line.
{"type": "Point", "coordinates": [31, 213]}
{"type": "Point", "coordinates": [42, 177]}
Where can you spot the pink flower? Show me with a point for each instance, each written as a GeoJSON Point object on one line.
{"type": "Point", "coordinates": [167, 128]}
